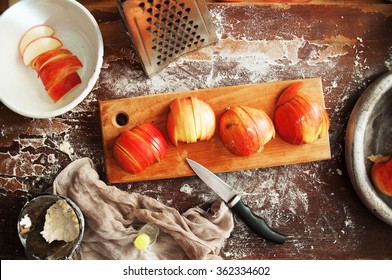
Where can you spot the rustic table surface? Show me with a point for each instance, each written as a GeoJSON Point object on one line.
{"type": "Point", "coordinates": [346, 44]}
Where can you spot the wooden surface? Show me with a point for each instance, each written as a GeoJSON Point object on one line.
{"type": "Point", "coordinates": [212, 154]}
{"type": "Point", "coordinates": [348, 46]}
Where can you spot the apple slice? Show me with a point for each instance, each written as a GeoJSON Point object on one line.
{"type": "Point", "coordinates": [135, 149]}
{"type": "Point", "coordinates": [49, 56]}
{"type": "Point", "coordinates": [32, 34]}
{"type": "Point", "coordinates": [125, 160]}
{"type": "Point", "coordinates": [198, 118]}
{"type": "Point", "coordinates": [153, 137]}
{"type": "Point", "coordinates": [189, 122]}
{"type": "Point", "coordinates": [63, 86]}
{"type": "Point", "coordinates": [38, 47]}
{"type": "Point", "coordinates": [58, 69]}
{"type": "Point", "coordinates": [175, 127]}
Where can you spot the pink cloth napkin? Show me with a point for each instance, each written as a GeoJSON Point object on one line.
{"type": "Point", "coordinates": [113, 217]}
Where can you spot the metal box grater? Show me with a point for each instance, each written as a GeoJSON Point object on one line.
{"type": "Point", "coordinates": [163, 30]}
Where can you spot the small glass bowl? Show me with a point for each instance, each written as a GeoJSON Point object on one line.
{"type": "Point", "coordinates": [36, 247]}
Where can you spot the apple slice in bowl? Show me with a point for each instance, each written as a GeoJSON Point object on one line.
{"type": "Point", "coordinates": [48, 57]}
{"type": "Point", "coordinates": [38, 47]}
{"type": "Point", "coordinates": [33, 33]}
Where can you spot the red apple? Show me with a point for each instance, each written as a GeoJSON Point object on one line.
{"type": "Point", "coordinates": [153, 137]}
{"type": "Point", "coordinates": [33, 33]}
{"type": "Point", "coordinates": [138, 148]}
{"type": "Point", "coordinates": [63, 86]}
{"type": "Point", "coordinates": [49, 56]}
{"type": "Point", "coordinates": [381, 174]}
{"type": "Point", "coordinates": [56, 70]}
{"type": "Point", "coordinates": [190, 119]}
{"type": "Point", "coordinates": [298, 118]}
{"type": "Point", "coordinates": [38, 47]}
{"type": "Point", "coordinates": [125, 160]}
{"type": "Point", "coordinates": [245, 130]}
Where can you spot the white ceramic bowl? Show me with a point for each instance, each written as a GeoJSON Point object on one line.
{"type": "Point", "coordinates": [20, 89]}
{"type": "Point", "coordinates": [369, 132]}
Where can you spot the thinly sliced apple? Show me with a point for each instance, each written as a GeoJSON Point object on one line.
{"type": "Point", "coordinates": [175, 127]}
{"type": "Point", "coordinates": [49, 56]}
{"type": "Point", "coordinates": [172, 129]}
{"type": "Point", "coordinates": [32, 34]}
{"type": "Point", "coordinates": [63, 86]}
{"type": "Point", "coordinates": [38, 47]}
{"type": "Point", "coordinates": [58, 69]}
{"type": "Point", "coordinates": [186, 110]}
{"type": "Point", "coordinates": [135, 148]}
{"type": "Point", "coordinates": [197, 117]}
{"type": "Point", "coordinates": [154, 138]}
{"type": "Point", "coordinates": [125, 160]}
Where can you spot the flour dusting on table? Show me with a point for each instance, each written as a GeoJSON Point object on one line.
{"type": "Point", "coordinates": [286, 194]}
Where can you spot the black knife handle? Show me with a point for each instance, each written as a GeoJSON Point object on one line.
{"type": "Point", "coordinates": [256, 223]}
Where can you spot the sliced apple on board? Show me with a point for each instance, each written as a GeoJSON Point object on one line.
{"type": "Point", "coordinates": [56, 67]}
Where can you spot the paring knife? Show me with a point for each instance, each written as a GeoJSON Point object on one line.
{"type": "Point", "coordinates": [235, 203]}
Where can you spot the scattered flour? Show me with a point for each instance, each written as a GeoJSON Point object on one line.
{"type": "Point", "coordinates": [232, 60]}
{"type": "Point", "coordinates": [186, 189]}
{"type": "Point", "coordinates": [66, 148]}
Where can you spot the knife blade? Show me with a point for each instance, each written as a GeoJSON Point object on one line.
{"type": "Point", "coordinates": [235, 203]}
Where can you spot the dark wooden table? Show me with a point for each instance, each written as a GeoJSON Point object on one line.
{"type": "Point", "coordinates": [314, 203]}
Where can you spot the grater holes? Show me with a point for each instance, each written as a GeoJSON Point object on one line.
{"type": "Point", "coordinates": [171, 28]}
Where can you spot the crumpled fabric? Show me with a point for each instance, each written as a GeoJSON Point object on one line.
{"type": "Point", "coordinates": [113, 217]}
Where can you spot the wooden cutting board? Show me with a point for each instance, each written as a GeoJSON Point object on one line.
{"type": "Point", "coordinates": [212, 154]}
